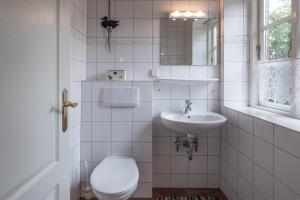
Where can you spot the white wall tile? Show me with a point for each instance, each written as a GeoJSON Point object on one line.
{"type": "Point", "coordinates": [282, 192]}
{"type": "Point", "coordinates": [142, 51]}
{"type": "Point", "coordinates": [161, 90]}
{"type": "Point", "coordinates": [232, 177]}
{"type": "Point", "coordinates": [179, 181]}
{"type": "Point", "coordinates": [86, 131]}
{"type": "Point", "coordinates": [121, 114]}
{"type": "Point", "coordinates": [142, 152]}
{"type": "Point", "coordinates": [142, 132]}
{"type": "Point", "coordinates": [161, 180]}
{"type": "Point", "coordinates": [145, 172]}
{"type": "Point", "coordinates": [263, 183]}
{"type": "Point", "coordinates": [257, 196]}
{"type": "Point", "coordinates": [198, 181]}
{"type": "Point", "coordinates": [213, 181]}
{"type": "Point", "coordinates": [91, 7]}
{"type": "Point", "coordinates": [161, 9]}
{"type": "Point", "coordinates": [124, 9]}
{"type": "Point", "coordinates": [143, 9]}
{"type": "Point", "coordinates": [92, 28]}
{"type": "Point", "coordinates": [232, 156]}
{"type": "Point", "coordinates": [125, 29]}
{"type": "Point", "coordinates": [232, 135]}
{"type": "Point", "coordinates": [198, 91]}
{"type": "Point", "coordinates": [244, 190]}
{"type": "Point", "coordinates": [180, 71]}
{"type": "Point", "coordinates": [160, 106]}
{"type": "Point", "coordinates": [142, 27]}
{"type": "Point", "coordinates": [246, 123]}
{"type": "Point", "coordinates": [142, 71]}
{"type": "Point", "coordinates": [143, 112]}
{"type": "Point", "coordinates": [246, 143]}
{"type": "Point", "coordinates": [198, 165]}
{"type": "Point", "coordinates": [85, 151]}
{"type": "Point", "coordinates": [199, 105]}
{"type": "Point", "coordinates": [96, 89]}
{"type": "Point", "coordinates": [159, 129]}
{"type": "Point", "coordinates": [179, 165]}
{"type": "Point", "coordinates": [100, 113]}
{"type": "Point", "coordinates": [124, 51]}
{"type": "Point", "coordinates": [100, 150]}
{"type": "Point", "coordinates": [177, 105]}
{"type": "Point", "coordinates": [121, 148]}
{"type": "Point", "coordinates": [101, 131]}
{"type": "Point", "coordinates": [286, 168]}
{"type": "Point", "coordinates": [144, 190]}
{"type": "Point", "coordinates": [86, 109]}
{"type": "Point", "coordinates": [180, 92]}
{"type": "Point", "coordinates": [245, 168]}
{"type": "Point", "coordinates": [263, 154]}
{"type": "Point", "coordinates": [121, 131]}
{"type": "Point", "coordinates": [145, 90]}
{"type": "Point", "coordinates": [213, 164]}
{"type": "Point", "coordinates": [161, 164]}
{"type": "Point", "coordinates": [287, 140]}
{"type": "Point", "coordinates": [91, 71]}
{"type": "Point", "coordinates": [233, 8]}
{"type": "Point", "coordinates": [263, 130]}
{"type": "Point", "coordinates": [213, 146]}
{"type": "Point", "coordinates": [86, 91]}
{"type": "Point", "coordinates": [161, 146]}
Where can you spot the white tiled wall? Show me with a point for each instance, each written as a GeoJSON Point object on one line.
{"type": "Point", "coordinates": [171, 168]}
{"type": "Point", "coordinates": [135, 47]}
{"type": "Point", "coordinates": [235, 52]}
{"type": "Point", "coordinates": [259, 160]}
{"type": "Point", "coordinates": [109, 131]}
{"type": "Point", "coordinates": [78, 69]}
{"type": "Point", "coordinates": [135, 42]}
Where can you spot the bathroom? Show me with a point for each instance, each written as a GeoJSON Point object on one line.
{"type": "Point", "coordinates": [149, 99]}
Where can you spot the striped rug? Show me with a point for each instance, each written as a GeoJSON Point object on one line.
{"type": "Point", "coordinates": [189, 198]}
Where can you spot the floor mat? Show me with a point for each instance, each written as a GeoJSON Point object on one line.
{"type": "Point", "coordinates": [188, 198]}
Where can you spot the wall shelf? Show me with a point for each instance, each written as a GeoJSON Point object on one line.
{"type": "Point", "coordinates": [185, 81]}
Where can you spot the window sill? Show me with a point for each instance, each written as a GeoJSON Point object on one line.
{"type": "Point", "coordinates": [274, 118]}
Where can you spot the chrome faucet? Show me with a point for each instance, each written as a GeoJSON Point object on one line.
{"type": "Point", "coordinates": [188, 106]}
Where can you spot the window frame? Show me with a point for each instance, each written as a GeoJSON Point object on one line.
{"type": "Point", "coordinates": [258, 55]}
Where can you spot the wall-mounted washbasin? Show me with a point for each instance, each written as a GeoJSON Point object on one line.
{"type": "Point", "coordinates": [191, 122]}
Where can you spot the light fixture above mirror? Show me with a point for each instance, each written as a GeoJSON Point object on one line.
{"type": "Point", "coordinates": [187, 14]}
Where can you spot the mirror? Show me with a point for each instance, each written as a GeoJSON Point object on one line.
{"type": "Point", "coordinates": [189, 41]}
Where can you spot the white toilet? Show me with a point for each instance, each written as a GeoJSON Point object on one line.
{"type": "Point", "coordinates": [115, 178]}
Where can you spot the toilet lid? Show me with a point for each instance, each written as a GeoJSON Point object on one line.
{"type": "Point", "coordinates": [115, 175]}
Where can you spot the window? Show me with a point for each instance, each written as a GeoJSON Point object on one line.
{"type": "Point", "coordinates": [273, 67]}
{"type": "Point", "coordinates": [212, 42]}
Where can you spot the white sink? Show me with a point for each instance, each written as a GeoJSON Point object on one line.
{"type": "Point", "coordinates": [193, 122]}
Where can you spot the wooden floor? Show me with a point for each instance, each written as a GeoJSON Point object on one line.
{"type": "Point", "coordinates": [162, 192]}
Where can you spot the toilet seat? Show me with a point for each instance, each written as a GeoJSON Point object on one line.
{"type": "Point", "coordinates": [115, 177]}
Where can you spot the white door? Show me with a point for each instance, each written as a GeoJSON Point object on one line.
{"type": "Point", "coordinates": [34, 69]}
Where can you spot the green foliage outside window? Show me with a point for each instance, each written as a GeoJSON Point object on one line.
{"type": "Point", "coordinates": [279, 36]}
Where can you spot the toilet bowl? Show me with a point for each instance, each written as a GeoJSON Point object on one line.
{"type": "Point", "coordinates": [115, 178]}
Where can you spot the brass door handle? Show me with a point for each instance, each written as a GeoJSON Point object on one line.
{"type": "Point", "coordinates": [70, 104]}
{"type": "Point", "coordinates": [65, 105]}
